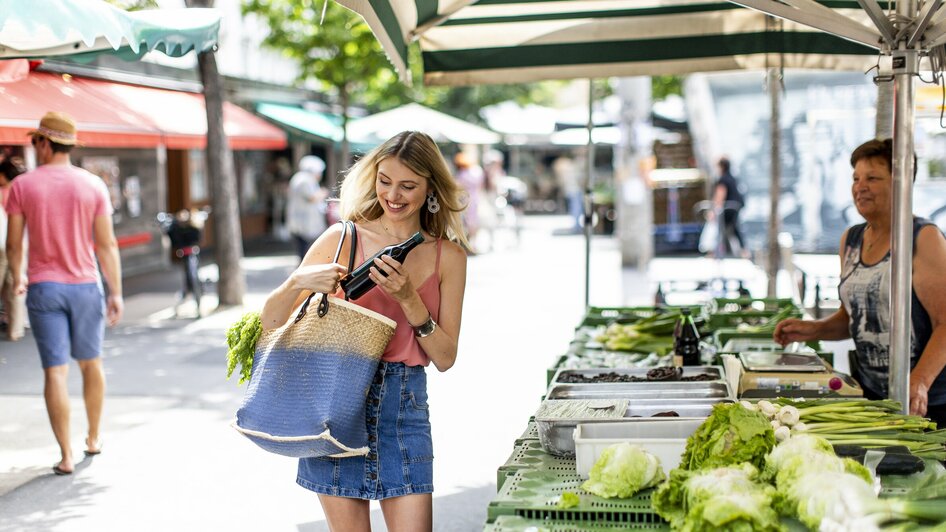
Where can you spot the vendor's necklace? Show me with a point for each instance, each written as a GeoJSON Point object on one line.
{"type": "Point", "coordinates": [870, 245]}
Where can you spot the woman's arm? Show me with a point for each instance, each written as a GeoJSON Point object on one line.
{"type": "Point", "coordinates": [441, 345]}
{"type": "Point", "coordinates": [834, 327]}
{"type": "Point", "coordinates": [317, 273]}
{"type": "Point", "coordinates": [928, 264]}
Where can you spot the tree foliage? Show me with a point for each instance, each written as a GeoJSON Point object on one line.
{"type": "Point", "coordinates": [331, 45]}
{"type": "Point", "coordinates": [663, 86]}
{"type": "Point", "coordinates": [343, 55]}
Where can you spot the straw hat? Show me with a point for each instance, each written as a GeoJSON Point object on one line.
{"type": "Point", "coordinates": [57, 127]}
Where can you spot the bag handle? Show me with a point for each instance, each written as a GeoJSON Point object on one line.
{"type": "Point", "coordinates": [347, 227]}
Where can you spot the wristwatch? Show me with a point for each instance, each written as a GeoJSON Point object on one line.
{"type": "Point", "coordinates": [425, 329]}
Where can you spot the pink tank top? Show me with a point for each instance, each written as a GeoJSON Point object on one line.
{"type": "Point", "coordinates": [403, 346]}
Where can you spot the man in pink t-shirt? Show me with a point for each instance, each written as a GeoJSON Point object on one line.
{"type": "Point", "coordinates": [68, 214]}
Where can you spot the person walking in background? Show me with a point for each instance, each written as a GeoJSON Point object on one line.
{"type": "Point", "coordinates": [400, 188]}
{"type": "Point", "coordinates": [14, 305]}
{"type": "Point", "coordinates": [185, 230]}
{"type": "Point", "coordinates": [305, 206]}
{"type": "Point", "coordinates": [567, 176]}
{"type": "Point", "coordinates": [728, 200]}
{"type": "Point", "coordinates": [69, 217]}
{"type": "Point", "coordinates": [470, 176]}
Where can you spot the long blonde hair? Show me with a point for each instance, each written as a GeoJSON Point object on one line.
{"type": "Point", "coordinates": [359, 198]}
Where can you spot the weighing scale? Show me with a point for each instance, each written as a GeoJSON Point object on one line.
{"type": "Point", "coordinates": [792, 374]}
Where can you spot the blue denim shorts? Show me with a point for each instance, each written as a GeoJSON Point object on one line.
{"type": "Point", "coordinates": [67, 320]}
{"type": "Point", "coordinates": [400, 457]}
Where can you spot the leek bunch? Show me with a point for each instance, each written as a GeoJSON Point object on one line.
{"type": "Point", "coordinates": [653, 334]}
{"type": "Point", "coordinates": [860, 422]}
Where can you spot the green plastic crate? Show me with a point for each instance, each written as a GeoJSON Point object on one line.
{"type": "Point", "coordinates": [531, 433]}
{"type": "Point", "coordinates": [530, 455]}
{"type": "Point", "coordinates": [514, 523]}
{"type": "Point", "coordinates": [534, 494]}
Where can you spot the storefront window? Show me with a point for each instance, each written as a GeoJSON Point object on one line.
{"type": "Point", "coordinates": [107, 169]}
{"type": "Point", "coordinates": [198, 178]}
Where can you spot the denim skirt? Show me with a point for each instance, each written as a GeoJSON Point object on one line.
{"type": "Point", "coordinates": [400, 451]}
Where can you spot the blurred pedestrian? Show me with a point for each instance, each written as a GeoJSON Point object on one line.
{"type": "Point", "coordinates": [471, 178]}
{"type": "Point", "coordinates": [305, 206]}
{"type": "Point", "coordinates": [185, 230]}
{"type": "Point", "coordinates": [69, 218]}
{"type": "Point", "coordinates": [728, 200]}
{"type": "Point", "coordinates": [566, 173]}
{"type": "Point", "coordinates": [14, 306]}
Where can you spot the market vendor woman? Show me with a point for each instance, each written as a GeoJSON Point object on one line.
{"type": "Point", "coordinates": [396, 190]}
{"type": "Point", "coordinates": [865, 285]}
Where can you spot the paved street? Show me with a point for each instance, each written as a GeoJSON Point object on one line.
{"type": "Point", "coordinates": [171, 460]}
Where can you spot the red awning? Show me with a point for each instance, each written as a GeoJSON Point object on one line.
{"type": "Point", "coordinates": [117, 115]}
{"type": "Point", "coordinates": [100, 123]}
{"type": "Point", "coordinates": [183, 118]}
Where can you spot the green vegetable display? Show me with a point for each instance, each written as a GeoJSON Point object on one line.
{"type": "Point", "coordinates": [866, 423]}
{"type": "Point", "coordinates": [623, 470]}
{"type": "Point", "coordinates": [826, 492]}
{"type": "Point", "coordinates": [725, 498]}
{"type": "Point", "coordinates": [653, 334]}
{"type": "Point", "coordinates": [732, 434]}
{"type": "Point", "coordinates": [241, 343]}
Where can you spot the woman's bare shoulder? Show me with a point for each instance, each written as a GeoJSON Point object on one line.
{"type": "Point", "coordinates": [452, 254]}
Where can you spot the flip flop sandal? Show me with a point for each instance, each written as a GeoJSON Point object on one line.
{"type": "Point", "coordinates": [60, 471]}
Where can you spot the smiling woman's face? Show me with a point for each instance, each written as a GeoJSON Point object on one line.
{"type": "Point", "coordinates": [871, 188]}
{"type": "Point", "coordinates": [401, 192]}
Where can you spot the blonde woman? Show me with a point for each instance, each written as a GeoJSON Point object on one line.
{"type": "Point", "coordinates": [399, 188]}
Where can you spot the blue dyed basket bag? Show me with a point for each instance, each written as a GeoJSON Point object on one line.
{"type": "Point", "coordinates": [310, 377]}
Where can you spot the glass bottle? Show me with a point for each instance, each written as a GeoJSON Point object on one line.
{"type": "Point", "coordinates": [686, 341]}
{"type": "Point", "coordinates": [358, 283]}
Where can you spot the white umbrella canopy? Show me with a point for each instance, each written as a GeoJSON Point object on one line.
{"type": "Point", "coordinates": [377, 128]}
{"type": "Point", "coordinates": [46, 28]}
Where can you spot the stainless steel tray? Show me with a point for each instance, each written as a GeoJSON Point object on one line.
{"type": "Point", "coordinates": [641, 390]}
{"type": "Point", "coordinates": [688, 371]}
{"type": "Point", "coordinates": [556, 434]}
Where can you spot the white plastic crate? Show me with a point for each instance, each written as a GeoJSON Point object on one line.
{"type": "Point", "coordinates": [664, 438]}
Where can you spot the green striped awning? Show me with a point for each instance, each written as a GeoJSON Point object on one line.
{"type": "Point", "coordinates": [514, 41]}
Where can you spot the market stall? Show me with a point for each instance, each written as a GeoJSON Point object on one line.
{"type": "Point", "coordinates": [747, 420]}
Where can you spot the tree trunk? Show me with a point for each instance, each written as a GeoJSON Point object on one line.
{"type": "Point", "coordinates": [228, 240]}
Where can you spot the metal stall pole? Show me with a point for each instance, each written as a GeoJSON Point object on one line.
{"type": "Point", "coordinates": [773, 75]}
{"type": "Point", "coordinates": [586, 197]}
{"type": "Point", "coordinates": [901, 235]}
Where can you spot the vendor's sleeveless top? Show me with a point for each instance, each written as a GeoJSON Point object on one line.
{"type": "Point", "coordinates": [403, 346]}
{"type": "Point", "coordinates": [865, 293]}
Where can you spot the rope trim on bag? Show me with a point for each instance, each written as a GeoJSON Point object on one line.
{"type": "Point", "coordinates": [325, 436]}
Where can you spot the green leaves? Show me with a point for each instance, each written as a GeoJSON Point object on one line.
{"type": "Point", "coordinates": [241, 342]}
{"type": "Point", "coordinates": [623, 470]}
{"type": "Point", "coordinates": [732, 434]}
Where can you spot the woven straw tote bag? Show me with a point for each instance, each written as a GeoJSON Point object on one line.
{"type": "Point", "coordinates": [310, 377]}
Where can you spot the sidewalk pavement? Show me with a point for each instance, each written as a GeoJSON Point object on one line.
{"type": "Point", "coordinates": [171, 460]}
